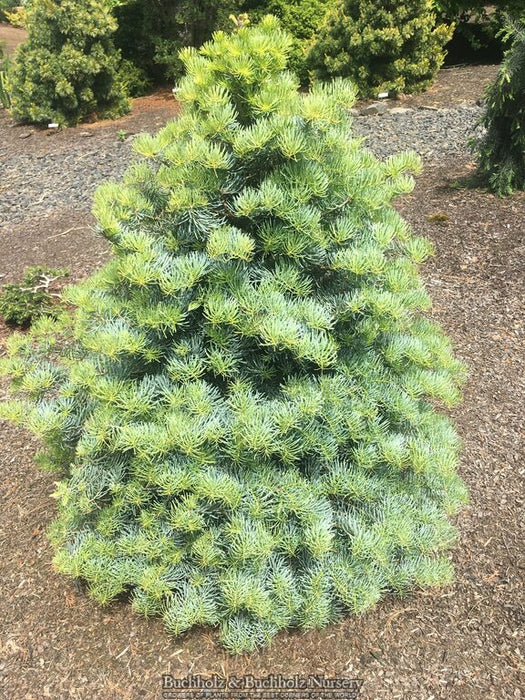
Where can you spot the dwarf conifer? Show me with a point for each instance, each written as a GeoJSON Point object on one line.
{"type": "Point", "coordinates": [68, 69]}
{"type": "Point", "coordinates": [244, 407]}
{"type": "Point", "coordinates": [381, 46]}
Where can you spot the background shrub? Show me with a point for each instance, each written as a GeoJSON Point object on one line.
{"type": "Point", "coordinates": [464, 11]}
{"type": "Point", "coordinates": [501, 150]}
{"type": "Point", "coordinates": [135, 80]}
{"type": "Point", "coordinates": [151, 32]}
{"type": "Point", "coordinates": [7, 6]}
{"type": "Point", "coordinates": [387, 46]}
{"type": "Point", "coordinates": [21, 304]}
{"type": "Point", "coordinates": [478, 26]}
{"type": "Point", "coordinates": [67, 70]}
{"type": "Point", "coordinates": [244, 414]}
{"type": "Point", "coordinates": [5, 70]}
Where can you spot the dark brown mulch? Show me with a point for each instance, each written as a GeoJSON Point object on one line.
{"type": "Point", "coordinates": [453, 86]}
{"type": "Point", "coordinates": [461, 643]}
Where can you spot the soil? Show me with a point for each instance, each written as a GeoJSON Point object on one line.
{"type": "Point", "coordinates": [458, 643]}
{"type": "Point", "coordinates": [453, 86]}
{"type": "Point", "coordinates": [12, 36]}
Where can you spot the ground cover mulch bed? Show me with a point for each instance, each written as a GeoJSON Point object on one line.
{"type": "Point", "coordinates": [462, 642]}
{"type": "Point", "coordinates": [11, 37]}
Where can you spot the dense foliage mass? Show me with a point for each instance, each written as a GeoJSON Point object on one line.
{"type": "Point", "coordinates": [151, 32]}
{"type": "Point", "coordinates": [387, 46]}
{"type": "Point", "coordinates": [244, 409]}
{"type": "Point", "coordinates": [67, 69]}
{"type": "Point", "coordinates": [6, 7]}
{"type": "Point", "coordinates": [501, 150]}
{"type": "Point", "coordinates": [477, 22]}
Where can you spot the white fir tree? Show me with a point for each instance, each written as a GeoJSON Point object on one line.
{"type": "Point", "coordinates": [243, 406]}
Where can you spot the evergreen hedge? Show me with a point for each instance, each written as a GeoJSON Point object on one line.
{"type": "Point", "coordinates": [243, 409]}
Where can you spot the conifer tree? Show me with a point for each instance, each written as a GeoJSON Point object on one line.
{"type": "Point", "coordinates": [243, 408]}
{"type": "Point", "coordinates": [68, 69]}
{"type": "Point", "coordinates": [381, 46]}
{"type": "Point", "coordinates": [501, 148]}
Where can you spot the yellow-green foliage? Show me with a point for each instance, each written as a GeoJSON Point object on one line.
{"type": "Point", "coordinates": [300, 18]}
{"type": "Point", "coordinates": [381, 46]}
{"type": "Point", "coordinates": [6, 6]}
{"type": "Point", "coordinates": [67, 70]}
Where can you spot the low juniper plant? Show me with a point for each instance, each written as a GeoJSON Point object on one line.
{"type": "Point", "coordinates": [243, 406]}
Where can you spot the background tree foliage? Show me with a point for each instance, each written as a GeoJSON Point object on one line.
{"type": "Point", "coordinates": [478, 27]}
{"type": "Point", "coordinates": [501, 149]}
{"type": "Point", "coordinates": [242, 409]}
{"type": "Point", "coordinates": [387, 46]}
{"type": "Point", "coordinates": [462, 11]}
{"type": "Point", "coordinates": [151, 32]}
{"type": "Point", "coordinates": [68, 69]}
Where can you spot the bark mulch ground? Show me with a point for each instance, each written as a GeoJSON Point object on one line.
{"type": "Point", "coordinates": [460, 643]}
{"type": "Point", "coordinates": [11, 36]}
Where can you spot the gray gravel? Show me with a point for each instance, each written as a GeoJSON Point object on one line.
{"type": "Point", "coordinates": [34, 182]}
{"type": "Point", "coordinates": [66, 177]}
{"type": "Point", "coordinates": [431, 133]}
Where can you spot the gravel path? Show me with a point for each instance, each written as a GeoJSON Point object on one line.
{"type": "Point", "coordinates": [34, 183]}
{"type": "Point", "coordinates": [432, 133]}
{"type": "Point", "coordinates": [35, 180]}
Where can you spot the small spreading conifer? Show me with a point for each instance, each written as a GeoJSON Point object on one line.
{"type": "Point", "coordinates": [243, 408]}
{"type": "Point", "coordinates": [68, 69]}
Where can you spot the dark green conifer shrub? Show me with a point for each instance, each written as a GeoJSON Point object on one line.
{"type": "Point", "coordinates": [151, 32]}
{"type": "Point", "coordinates": [381, 46]}
{"type": "Point", "coordinates": [501, 149]}
{"type": "Point", "coordinates": [68, 69]}
{"type": "Point", "coordinates": [244, 409]}
{"type": "Point", "coordinates": [21, 304]}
